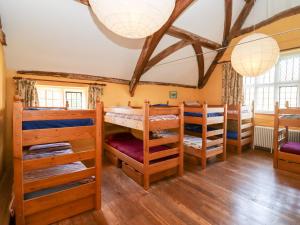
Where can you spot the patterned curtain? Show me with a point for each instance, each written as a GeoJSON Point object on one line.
{"type": "Point", "coordinates": [26, 89]}
{"type": "Point", "coordinates": [232, 86]}
{"type": "Point", "coordinates": [95, 93]}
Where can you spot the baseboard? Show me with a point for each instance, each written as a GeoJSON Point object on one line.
{"type": "Point", "coordinates": [5, 193]}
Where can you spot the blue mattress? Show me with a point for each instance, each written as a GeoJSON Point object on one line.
{"type": "Point", "coordinates": [232, 135]}
{"type": "Point", "coordinates": [200, 114]}
{"type": "Point", "coordinates": [160, 105]}
{"type": "Point", "coordinates": [196, 128]}
{"type": "Point", "coordinates": [46, 124]}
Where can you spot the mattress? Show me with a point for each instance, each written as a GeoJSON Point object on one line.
{"type": "Point", "coordinates": [131, 146]}
{"type": "Point", "coordinates": [46, 124]}
{"type": "Point", "coordinates": [194, 142]}
{"type": "Point", "coordinates": [38, 174]}
{"type": "Point", "coordinates": [232, 135]}
{"type": "Point", "coordinates": [291, 147]}
{"type": "Point", "coordinates": [141, 117]}
{"type": "Point", "coordinates": [196, 128]}
{"type": "Point", "coordinates": [290, 117]}
{"type": "Point", "coordinates": [200, 114]}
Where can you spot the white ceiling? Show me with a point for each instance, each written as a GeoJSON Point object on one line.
{"type": "Point", "coordinates": [64, 36]}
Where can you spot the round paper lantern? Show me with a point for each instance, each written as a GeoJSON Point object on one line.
{"type": "Point", "coordinates": [133, 18]}
{"type": "Point", "coordinates": [255, 54]}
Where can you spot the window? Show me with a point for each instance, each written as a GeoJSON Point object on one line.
{"type": "Point", "coordinates": [74, 98]}
{"type": "Point", "coordinates": [57, 96]}
{"type": "Point", "coordinates": [281, 83]}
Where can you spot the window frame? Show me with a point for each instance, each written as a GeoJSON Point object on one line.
{"type": "Point", "coordinates": [277, 84]}
{"type": "Point", "coordinates": [64, 89]}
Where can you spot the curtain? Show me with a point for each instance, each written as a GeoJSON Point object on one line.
{"type": "Point", "coordinates": [232, 86]}
{"type": "Point", "coordinates": [26, 89]}
{"type": "Point", "coordinates": [95, 92]}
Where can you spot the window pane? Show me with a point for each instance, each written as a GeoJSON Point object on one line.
{"type": "Point", "coordinates": [74, 99]}
{"type": "Point", "coordinates": [290, 94]}
{"type": "Point", "coordinates": [265, 98]}
{"type": "Point", "coordinates": [289, 68]}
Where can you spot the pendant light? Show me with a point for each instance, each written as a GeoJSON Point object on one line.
{"type": "Point", "coordinates": [255, 54]}
{"type": "Point", "coordinates": [133, 18]}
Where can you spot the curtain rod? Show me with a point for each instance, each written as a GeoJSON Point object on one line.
{"type": "Point", "coordinates": [283, 50]}
{"type": "Point", "coordinates": [60, 81]}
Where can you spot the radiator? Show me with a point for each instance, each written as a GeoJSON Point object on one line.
{"type": "Point", "coordinates": [263, 136]}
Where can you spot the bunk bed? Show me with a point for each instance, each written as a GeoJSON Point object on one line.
{"type": "Point", "coordinates": [51, 182]}
{"type": "Point", "coordinates": [286, 153]}
{"type": "Point", "coordinates": [205, 131]}
{"type": "Point", "coordinates": [151, 156]}
{"type": "Point", "coordinates": [240, 131]}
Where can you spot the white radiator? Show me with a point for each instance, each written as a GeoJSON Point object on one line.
{"type": "Point", "coordinates": [263, 136]}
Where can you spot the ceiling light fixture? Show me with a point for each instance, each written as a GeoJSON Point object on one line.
{"type": "Point", "coordinates": [133, 18]}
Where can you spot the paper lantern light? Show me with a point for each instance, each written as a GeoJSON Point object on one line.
{"type": "Point", "coordinates": [255, 54]}
{"type": "Point", "coordinates": [133, 18]}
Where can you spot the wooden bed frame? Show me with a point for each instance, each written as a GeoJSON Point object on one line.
{"type": "Point", "coordinates": [283, 160]}
{"type": "Point", "coordinates": [245, 126]}
{"type": "Point", "coordinates": [50, 208]}
{"type": "Point", "coordinates": [218, 144]}
{"type": "Point", "coordinates": [175, 142]}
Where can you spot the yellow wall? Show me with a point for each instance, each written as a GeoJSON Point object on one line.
{"type": "Point", "coordinates": [212, 92]}
{"type": "Point", "coordinates": [2, 108]}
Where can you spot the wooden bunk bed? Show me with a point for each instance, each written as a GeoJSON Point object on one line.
{"type": "Point", "coordinates": [51, 184]}
{"type": "Point", "coordinates": [240, 131]}
{"type": "Point", "coordinates": [143, 159]}
{"type": "Point", "coordinates": [286, 153]}
{"type": "Point", "coordinates": [205, 131]}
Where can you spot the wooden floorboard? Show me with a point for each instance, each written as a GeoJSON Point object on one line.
{"type": "Point", "coordinates": [245, 189]}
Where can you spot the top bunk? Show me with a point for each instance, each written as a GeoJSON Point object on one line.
{"type": "Point", "coordinates": [52, 125]}
{"type": "Point", "coordinates": [239, 111]}
{"type": "Point", "coordinates": [204, 114]}
{"type": "Point", "coordinates": [288, 116]}
{"type": "Point", "coordinates": [158, 117]}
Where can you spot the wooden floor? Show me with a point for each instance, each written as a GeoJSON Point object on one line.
{"type": "Point", "coordinates": [243, 190]}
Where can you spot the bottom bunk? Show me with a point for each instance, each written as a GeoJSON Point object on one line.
{"type": "Point", "coordinates": [56, 192]}
{"type": "Point", "coordinates": [289, 157]}
{"type": "Point", "coordinates": [194, 146]}
{"type": "Point", "coordinates": [127, 151]}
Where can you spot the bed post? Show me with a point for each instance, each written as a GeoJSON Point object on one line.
{"type": "Point", "coordinates": [253, 124]}
{"type": "Point", "coordinates": [239, 127]}
{"type": "Point", "coordinates": [181, 136]}
{"type": "Point", "coordinates": [275, 140]}
{"type": "Point", "coordinates": [67, 105]}
{"type": "Point", "coordinates": [146, 146]}
{"type": "Point", "coordinates": [204, 130]}
{"type": "Point", "coordinates": [18, 161]}
{"type": "Point", "coordinates": [225, 133]}
{"type": "Point", "coordinates": [286, 136]}
{"type": "Point", "coordinates": [98, 155]}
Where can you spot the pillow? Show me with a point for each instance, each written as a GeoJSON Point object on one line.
{"type": "Point", "coordinates": [192, 103]}
{"type": "Point", "coordinates": [54, 146]}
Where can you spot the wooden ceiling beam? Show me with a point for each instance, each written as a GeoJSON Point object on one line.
{"type": "Point", "coordinates": [86, 77]}
{"type": "Point", "coordinates": [200, 61]}
{"type": "Point", "coordinates": [2, 35]}
{"type": "Point", "coordinates": [165, 53]}
{"type": "Point", "coordinates": [236, 27]}
{"type": "Point", "coordinates": [242, 16]}
{"type": "Point", "coordinates": [227, 20]}
{"type": "Point", "coordinates": [287, 13]}
{"type": "Point", "coordinates": [152, 41]}
{"type": "Point", "coordinates": [189, 36]}
{"type": "Point", "coordinates": [85, 2]}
